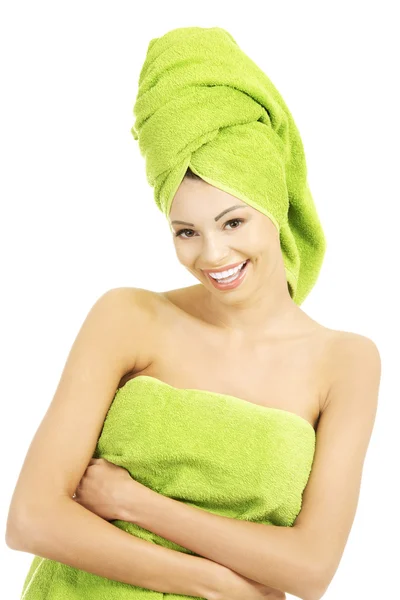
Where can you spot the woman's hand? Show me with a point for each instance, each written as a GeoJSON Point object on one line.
{"type": "Point", "coordinates": [106, 489]}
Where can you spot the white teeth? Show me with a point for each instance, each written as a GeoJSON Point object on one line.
{"type": "Point", "coordinates": [227, 273]}
{"type": "Point", "coordinates": [229, 279]}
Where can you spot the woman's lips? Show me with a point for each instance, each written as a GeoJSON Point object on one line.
{"type": "Point", "coordinates": [232, 284]}
{"type": "Point", "coordinates": [222, 269]}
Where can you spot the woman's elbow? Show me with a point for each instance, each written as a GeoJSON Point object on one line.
{"type": "Point", "coordinates": [14, 533]}
{"type": "Point", "coordinates": [28, 526]}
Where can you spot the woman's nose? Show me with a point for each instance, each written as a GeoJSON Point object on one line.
{"type": "Point", "coordinates": [213, 253]}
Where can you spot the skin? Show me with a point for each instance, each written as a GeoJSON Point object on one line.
{"type": "Point", "coordinates": [254, 315]}
{"type": "Point", "coordinates": [254, 312]}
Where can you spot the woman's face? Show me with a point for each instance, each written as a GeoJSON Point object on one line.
{"type": "Point", "coordinates": [213, 229]}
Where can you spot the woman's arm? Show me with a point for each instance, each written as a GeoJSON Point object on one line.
{"type": "Point", "coordinates": [43, 518]}
{"type": "Point", "coordinates": [69, 533]}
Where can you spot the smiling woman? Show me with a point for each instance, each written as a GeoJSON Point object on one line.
{"type": "Point", "coordinates": [219, 432]}
{"type": "Point", "coordinates": [227, 254]}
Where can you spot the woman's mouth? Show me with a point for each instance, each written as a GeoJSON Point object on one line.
{"type": "Point", "coordinates": [232, 280]}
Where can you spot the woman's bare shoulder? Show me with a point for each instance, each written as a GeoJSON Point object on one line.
{"type": "Point", "coordinates": [340, 347]}
{"type": "Point", "coordinates": [142, 316]}
{"type": "Point", "coordinates": [138, 298]}
{"type": "Point", "coordinates": [340, 338]}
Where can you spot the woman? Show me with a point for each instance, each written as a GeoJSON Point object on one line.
{"type": "Point", "coordinates": [236, 438]}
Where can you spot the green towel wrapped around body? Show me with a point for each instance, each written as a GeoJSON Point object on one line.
{"type": "Point", "coordinates": [203, 103]}
{"type": "Point", "coordinates": [214, 451]}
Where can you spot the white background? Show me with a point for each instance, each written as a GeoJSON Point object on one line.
{"type": "Point", "coordinates": [78, 216]}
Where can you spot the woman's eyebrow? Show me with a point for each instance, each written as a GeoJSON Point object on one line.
{"type": "Point", "coordinates": [215, 218]}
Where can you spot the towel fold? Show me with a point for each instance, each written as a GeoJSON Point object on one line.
{"type": "Point", "coordinates": [213, 451]}
{"type": "Point", "coordinates": [203, 103]}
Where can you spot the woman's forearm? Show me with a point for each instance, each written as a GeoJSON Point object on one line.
{"type": "Point", "coordinates": [67, 532]}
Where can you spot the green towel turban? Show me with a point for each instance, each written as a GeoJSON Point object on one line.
{"type": "Point", "coordinates": [202, 103]}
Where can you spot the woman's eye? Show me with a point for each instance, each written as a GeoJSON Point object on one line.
{"type": "Point", "coordinates": [235, 220]}
{"type": "Point", "coordinates": [181, 231]}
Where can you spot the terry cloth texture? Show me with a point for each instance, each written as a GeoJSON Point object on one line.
{"type": "Point", "coordinates": [203, 103]}
{"type": "Point", "coordinates": [216, 452]}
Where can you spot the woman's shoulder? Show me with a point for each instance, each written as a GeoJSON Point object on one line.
{"type": "Point", "coordinates": [342, 349]}
{"type": "Point", "coordinates": [339, 343]}
{"type": "Point", "coordinates": [138, 308]}
{"type": "Point", "coordinates": [341, 339]}
{"type": "Point", "coordinates": [139, 299]}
